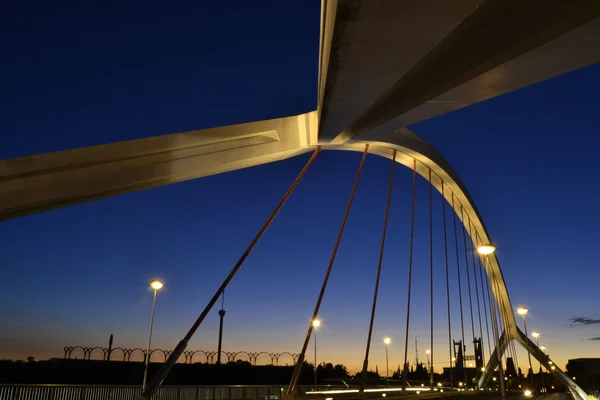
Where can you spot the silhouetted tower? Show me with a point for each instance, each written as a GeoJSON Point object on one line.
{"type": "Point", "coordinates": [478, 353]}
{"type": "Point", "coordinates": [416, 352]}
{"type": "Point", "coordinates": [221, 316]}
{"type": "Point", "coordinates": [110, 342]}
{"type": "Point", "coordinates": [510, 367]}
{"type": "Point", "coordinates": [458, 354]}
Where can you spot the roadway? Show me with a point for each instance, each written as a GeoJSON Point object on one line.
{"type": "Point", "coordinates": [468, 395]}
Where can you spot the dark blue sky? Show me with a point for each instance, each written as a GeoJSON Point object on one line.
{"type": "Point", "coordinates": [79, 75]}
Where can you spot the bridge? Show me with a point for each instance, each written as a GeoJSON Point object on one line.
{"type": "Point", "coordinates": [383, 65]}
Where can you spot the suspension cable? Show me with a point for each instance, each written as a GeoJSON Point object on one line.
{"type": "Point", "coordinates": [431, 279]}
{"type": "Point", "coordinates": [491, 300]}
{"type": "Point", "coordinates": [168, 365]}
{"type": "Point", "coordinates": [501, 329]}
{"type": "Point", "coordinates": [507, 332]}
{"type": "Point", "coordinates": [483, 278]}
{"type": "Point", "coordinates": [497, 338]}
{"type": "Point", "coordinates": [410, 265]}
{"type": "Point", "coordinates": [300, 360]}
{"type": "Point", "coordinates": [451, 369]}
{"type": "Point", "coordinates": [462, 325]}
{"type": "Point", "coordinates": [502, 317]}
{"type": "Point", "coordinates": [496, 320]}
{"type": "Point", "coordinates": [385, 222]}
{"type": "Point", "coordinates": [476, 291]}
{"type": "Point", "coordinates": [467, 270]}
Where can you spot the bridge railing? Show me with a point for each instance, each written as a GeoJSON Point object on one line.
{"type": "Point", "coordinates": [112, 392]}
{"type": "Point", "coordinates": [101, 392]}
{"type": "Point", "coordinates": [212, 392]}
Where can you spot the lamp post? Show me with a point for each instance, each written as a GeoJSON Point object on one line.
{"type": "Point", "coordinates": [316, 323]}
{"type": "Point", "coordinates": [485, 250]}
{"type": "Point", "coordinates": [156, 286]}
{"type": "Point", "coordinates": [523, 312]}
{"type": "Point", "coordinates": [536, 335]}
{"type": "Point", "coordinates": [543, 348]}
{"type": "Point", "coordinates": [430, 368]}
{"type": "Point", "coordinates": [387, 342]}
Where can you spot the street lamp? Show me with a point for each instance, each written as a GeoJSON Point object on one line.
{"type": "Point", "coordinates": [523, 312]}
{"type": "Point", "coordinates": [316, 323]}
{"type": "Point", "coordinates": [543, 348]}
{"type": "Point", "coordinates": [536, 335]}
{"type": "Point", "coordinates": [156, 285]}
{"type": "Point", "coordinates": [485, 250]}
{"type": "Point", "coordinates": [430, 366]}
{"type": "Point", "coordinates": [387, 342]}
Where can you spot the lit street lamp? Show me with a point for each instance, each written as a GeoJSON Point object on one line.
{"type": "Point", "coordinates": [387, 342]}
{"type": "Point", "coordinates": [536, 335]}
{"type": "Point", "coordinates": [430, 367]}
{"type": "Point", "coordinates": [485, 250]}
{"type": "Point", "coordinates": [156, 285]}
{"type": "Point", "coordinates": [316, 323]}
{"type": "Point", "coordinates": [523, 312]}
{"type": "Point", "coordinates": [543, 348]}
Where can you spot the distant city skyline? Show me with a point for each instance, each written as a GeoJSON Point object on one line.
{"type": "Point", "coordinates": [76, 275]}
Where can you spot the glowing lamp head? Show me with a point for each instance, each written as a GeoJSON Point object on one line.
{"type": "Point", "coordinates": [428, 351]}
{"type": "Point", "coordinates": [535, 334]}
{"type": "Point", "coordinates": [156, 285]}
{"type": "Point", "coordinates": [387, 341]}
{"type": "Point", "coordinates": [527, 393]}
{"type": "Point", "coordinates": [316, 323]}
{"type": "Point", "coordinates": [522, 311]}
{"type": "Point", "coordinates": [543, 348]}
{"type": "Point", "coordinates": [486, 249]}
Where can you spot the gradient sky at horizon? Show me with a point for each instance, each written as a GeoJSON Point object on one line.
{"type": "Point", "coordinates": [77, 76]}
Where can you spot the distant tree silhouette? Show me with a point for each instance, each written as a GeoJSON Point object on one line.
{"type": "Point", "coordinates": [340, 371]}
{"type": "Point", "coordinates": [419, 373]}
{"type": "Point", "coordinates": [240, 362]}
{"type": "Point", "coordinates": [89, 372]}
{"type": "Point", "coordinates": [30, 359]}
{"type": "Point", "coordinates": [370, 375]}
{"type": "Point", "coordinates": [328, 372]}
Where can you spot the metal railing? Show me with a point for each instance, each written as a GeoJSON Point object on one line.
{"type": "Point", "coordinates": [217, 392]}
{"type": "Point", "coordinates": [104, 392]}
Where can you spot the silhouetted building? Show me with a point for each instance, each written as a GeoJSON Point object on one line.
{"type": "Point", "coordinates": [510, 370]}
{"type": "Point", "coordinates": [585, 372]}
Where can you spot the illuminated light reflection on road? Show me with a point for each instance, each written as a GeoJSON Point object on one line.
{"type": "Point", "coordinates": [391, 389]}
